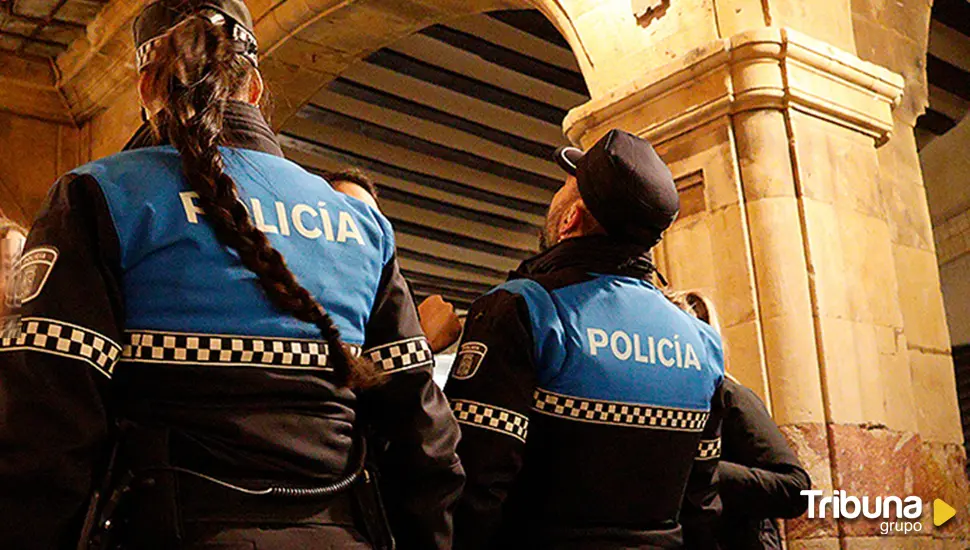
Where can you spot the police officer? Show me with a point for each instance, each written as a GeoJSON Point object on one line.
{"type": "Point", "coordinates": [587, 401]}
{"type": "Point", "coordinates": [759, 475]}
{"type": "Point", "coordinates": [171, 381]}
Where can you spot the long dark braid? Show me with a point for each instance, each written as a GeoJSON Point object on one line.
{"type": "Point", "coordinates": [193, 74]}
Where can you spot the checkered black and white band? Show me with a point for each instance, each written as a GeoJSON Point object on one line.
{"type": "Point", "coordinates": [492, 418]}
{"type": "Point", "coordinates": [618, 413]}
{"type": "Point", "coordinates": [60, 338]}
{"type": "Point", "coordinates": [401, 355]}
{"type": "Point", "coordinates": [146, 346]}
{"type": "Point", "coordinates": [243, 41]}
{"type": "Point", "coordinates": [709, 449]}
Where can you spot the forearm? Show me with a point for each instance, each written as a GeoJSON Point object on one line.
{"type": "Point", "coordinates": [763, 493]}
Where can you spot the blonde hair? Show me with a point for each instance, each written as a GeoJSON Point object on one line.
{"type": "Point", "coordinates": [694, 303]}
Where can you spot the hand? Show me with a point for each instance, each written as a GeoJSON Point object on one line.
{"type": "Point", "coordinates": [439, 322]}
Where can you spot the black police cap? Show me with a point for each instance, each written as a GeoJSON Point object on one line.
{"type": "Point", "coordinates": [158, 17]}
{"type": "Point", "coordinates": [625, 185]}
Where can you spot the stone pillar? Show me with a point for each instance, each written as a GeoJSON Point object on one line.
{"type": "Point", "coordinates": [38, 138]}
{"type": "Point", "coordinates": [778, 142]}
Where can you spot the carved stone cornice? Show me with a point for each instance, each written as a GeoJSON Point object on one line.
{"type": "Point", "coordinates": [771, 68]}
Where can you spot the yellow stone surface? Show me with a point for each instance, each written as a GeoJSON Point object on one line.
{"type": "Point", "coordinates": [736, 291]}
{"type": "Point", "coordinates": [920, 299]}
{"type": "Point", "coordinates": [764, 155]}
{"type": "Point", "coordinates": [793, 369]}
{"type": "Point", "coordinates": [34, 153]}
{"type": "Point", "coordinates": [744, 357]}
{"type": "Point", "coordinates": [936, 397]}
{"type": "Point", "coordinates": [779, 258]}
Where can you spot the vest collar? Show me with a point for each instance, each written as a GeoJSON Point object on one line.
{"type": "Point", "coordinates": [593, 254]}
{"type": "Point", "coordinates": [243, 127]}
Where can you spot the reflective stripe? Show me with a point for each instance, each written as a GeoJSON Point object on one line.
{"type": "Point", "coordinates": [617, 413]}
{"type": "Point", "coordinates": [496, 419]}
{"type": "Point", "coordinates": [60, 338]}
{"type": "Point", "coordinates": [145, 346]}
{"type": "Point", "coordinates": [401, 355]}
{"type": "Point", "coordinates": [709, 449]}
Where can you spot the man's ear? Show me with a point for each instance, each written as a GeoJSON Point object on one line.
{"type": "Point", "coordinates": [571, 222]}
{"type": "Point", "coordinates": [256, 88]}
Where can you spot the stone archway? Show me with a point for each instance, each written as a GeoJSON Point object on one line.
{"type": "Point", "coordinates": [304, 45]}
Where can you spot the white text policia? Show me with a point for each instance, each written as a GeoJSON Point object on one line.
{"type": "Point", "coordinates": [301, 217]}
{"type": "Point", "coordinates": [624, 346]}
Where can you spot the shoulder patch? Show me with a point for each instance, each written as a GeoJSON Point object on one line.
{"type": "Point", "coordinates": [33, 269]}
{"type": "Point", "coordinates": [470, 357]}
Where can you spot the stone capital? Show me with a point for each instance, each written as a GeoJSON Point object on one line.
{"type": "Point", "coordinates": [770, 68]}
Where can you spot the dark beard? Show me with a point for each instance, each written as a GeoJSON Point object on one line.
{"type": "Point", "coordinates": [546, 237]}
{"type": "Point", "coordinates": [543, 241]}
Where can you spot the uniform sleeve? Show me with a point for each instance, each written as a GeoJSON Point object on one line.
{"type": "Point", "coordinates": [421, 474]}
{"type": "Point", "coordinates": [491, 391]}
{"type": "Point", "coordinates": [56, 358]}
{"type": "Point", "coordinates": [702, 504]}
{"type": "Point", "coordinates": [759, 473]}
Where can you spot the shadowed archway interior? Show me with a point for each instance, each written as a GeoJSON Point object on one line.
{"type": "Point", "coordinates": [457, 124]}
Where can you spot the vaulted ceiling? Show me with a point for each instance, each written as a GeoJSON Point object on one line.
{"type": "Point", "coordinates": [457, 124]}
{"type": "Point", "coordinates": [44, 28]}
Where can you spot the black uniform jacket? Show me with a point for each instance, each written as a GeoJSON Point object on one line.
{"type": "Point", "coordinates": [760, 478]}
{"type": "Point", "coordinates": [589, 407]}
{"type": "Point", "coordinates": [131, 309]}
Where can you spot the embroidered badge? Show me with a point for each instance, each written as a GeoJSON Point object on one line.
{"type": "Point", "coordinates": [33, 269]}
{"type": "Point", "coordinates": [470, 356]}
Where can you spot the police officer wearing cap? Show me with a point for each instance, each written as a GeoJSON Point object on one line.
{"type": "Point", "coordinates": [588, 402]}
{"type": "Point", "coordinates": [213, 348]}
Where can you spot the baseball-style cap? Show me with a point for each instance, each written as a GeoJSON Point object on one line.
{"type": "Point", "coordinates": [160, 16]}
{"type": "Point", "coordinates": [626, 186]}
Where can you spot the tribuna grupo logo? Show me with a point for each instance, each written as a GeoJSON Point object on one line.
{"type": "Point", "coordinates": [898, 515]}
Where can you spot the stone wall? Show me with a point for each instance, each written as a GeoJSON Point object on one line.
{"type": "Point", "coordinates": [34, 154]}
{"type": "Point", "coordinates": [948, 187]}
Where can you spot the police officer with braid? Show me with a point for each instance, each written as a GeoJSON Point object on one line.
{"type": "Point", "coordinates": [207, 335]}
{"type": "Point", "coordinates": [588, 402]}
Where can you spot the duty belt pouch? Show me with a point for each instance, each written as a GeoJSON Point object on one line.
{"type": "Point", "coordinates": [152, 518]}
{"type": "Point", "coordinates": [369, 509]}
{"type": "Point", "coordinates": [138, 509]}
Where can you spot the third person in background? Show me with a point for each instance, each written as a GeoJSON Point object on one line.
{"type": "Point", "coordinates": [760, 479]}
{"type": "Point", "coordinates": [439, 321]}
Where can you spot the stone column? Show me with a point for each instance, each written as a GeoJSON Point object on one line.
{"type": "Point", "coordinates": [777, 141]}
{"type": "Point", "coordinates": [38, 138]}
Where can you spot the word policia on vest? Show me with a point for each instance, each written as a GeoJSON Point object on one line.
{"type": "Point", "coordinates": [300, 216]}
{"type": "Point", "coordinates": [624, 346]}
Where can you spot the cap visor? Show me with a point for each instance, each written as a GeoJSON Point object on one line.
{"type": "Point", "coordinates": [567, 159]}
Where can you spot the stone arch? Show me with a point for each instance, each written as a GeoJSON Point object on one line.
{"type": "Point", "coordinates": [307, 44]}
